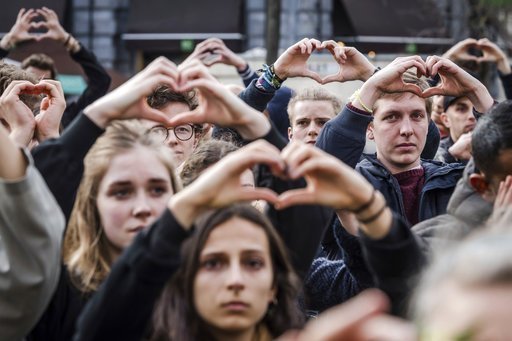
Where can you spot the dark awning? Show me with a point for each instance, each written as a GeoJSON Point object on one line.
{"type": "Point", "coordinates": [165, 25]}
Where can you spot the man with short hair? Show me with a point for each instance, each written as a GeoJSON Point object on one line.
{"type": "Point", "coordinates": [308, 112]}
{"type": "Point", "coordinates": [458, 117]}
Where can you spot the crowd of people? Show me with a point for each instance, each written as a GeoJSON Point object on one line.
{"type": "Point", "coordinates": [174, 207]}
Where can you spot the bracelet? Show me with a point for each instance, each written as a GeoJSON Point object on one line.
{"type": "Point", "coordinates": [270, 76]}
{"type": "Point", "coordinates": [367, 204]}
{"type": "Point", "coordinates": [357, 97]}
{"type": "Point", "coordinates": [373, 217]}
{"type": "Point", "coordinates": [67, 40]}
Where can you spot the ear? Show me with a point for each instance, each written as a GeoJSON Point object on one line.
{"type": "Point", "coordinates": [290, 134]}
{"type": "Point", "coordinates": [369, 131]}
{"type": "Point", "coordinates": [445, 120]}
{"type": "Point", "coordinates": [478, 182]}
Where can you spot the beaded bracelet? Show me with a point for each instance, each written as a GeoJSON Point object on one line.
{"type": "Point", "coordinates": [357, 97]}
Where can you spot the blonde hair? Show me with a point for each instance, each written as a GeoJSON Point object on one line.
{"type": "Point", "coordinates": [86, 249]}
{"type": "Point", "coordinates": [313, 94]}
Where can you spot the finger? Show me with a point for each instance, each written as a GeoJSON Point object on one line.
{"type": "Point", "coordinates": [51, 88]}
{"type": "Point", "coordinates": [413, 88]}
{"type": "Point", "coordinates": [332, 78]}
{"type": "Point", "coordinates": [193, 116]}
{"type": "Point", "coordinates": [346, 316]}
{"type": "Point", "coordinates": [20, 14]}
{"type": "Point", "coordinates": [313, 75]}
{"type": "Point", "coordinates": [433, 91]}
{"type": "Point", "coordinates": [309, 46]}
{"type": "Point", "coordinates": [17, 87]}
{"type": "Point", "coordinates": [302, 196]}
{"type": "Point", "coordinates": [251, 194]}
{"type": "Point", "coordinates": [151, 114]}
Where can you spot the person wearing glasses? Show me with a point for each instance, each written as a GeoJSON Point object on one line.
{"type": "Point", "coordinates": [181, 139]}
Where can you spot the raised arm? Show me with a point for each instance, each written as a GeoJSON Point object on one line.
{"type": "Point", "coordinates": [31, 228]}
{"type": "Point", "coordinates": [98, 80]}
{"type": "Point", "coordinates": [139, 276]}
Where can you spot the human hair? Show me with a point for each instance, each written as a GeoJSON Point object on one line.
{"type": "Point", "coordinates": [163, 95]}
{"type": "Point", "coordinates": [40, 61]}
{"type": "Point", "coordinates": [205, 155]}
{"type": "Point", "coordinates": [410, 77]}
{"type": "Point", "coordinates": [313, 94]}
{"type": "Point", "coordinates": [483, 260]}
{"type": "Point", "coordinates": [175, 316]}
{"type": "Point", "coordinates": [9, 73]}
{"type": "Point", "coordinates": [492, 134]}
{"type": "Point", "coordinates": [86, 249]}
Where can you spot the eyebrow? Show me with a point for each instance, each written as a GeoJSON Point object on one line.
{"type": "Point", "coordinates": [128, 182]}
{"type": "Point", "coordinates": [223, 253]}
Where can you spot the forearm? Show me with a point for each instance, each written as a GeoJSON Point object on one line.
{"type": "Point", "coordinates": [481, 98]}
{"type": "Point", "coordinates": [13, 163]}
{"type": "Point", "coordinates": [136, 280]}
{"type": "Point", "coordinates": [31, 230]}
{"type": "Point", "coordinates": [345, 136]}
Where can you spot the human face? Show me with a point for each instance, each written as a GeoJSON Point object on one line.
{"type": "Point", "coordinates": [132, 194]}
{"type": "Point", "coordinates": [308, 119]}
{"type": "Point", "coordinates": [39, 73]}
{"type": "Point", "coordinates": [181, 149]}
{"type": "Point", "coordinates": [234, 283]}
{"type": "Point", "coordinates": [481, 312]}
{"type": "Point", "coordinates": [459, 118]}
{"type": "Point", "coordinates": [437, 111]}
{"type": "Point", "coordinates": [399, 129]}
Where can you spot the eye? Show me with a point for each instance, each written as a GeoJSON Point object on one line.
{"type": "Point", "coordinates": [158, 191]}
{"type": "Point", "coordinates": [120, 193]}
{"type": "Point", "coordinates": [254, 263]}
{"type": "Point", "coordinates": [212, 264]}
{"type": "Point", "coordinates": [302, 123]}
{"type": "Point", "coordinates": [321, 123]}
{"type": "Point", "coordinates": [391, 117]}
{"type": "Point", "coordinates": [418, 115]}
{"type": "Point", "coordinates": [183, 129]}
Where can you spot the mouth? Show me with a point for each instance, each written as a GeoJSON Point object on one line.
{"type": "Point", "coordinates": [235, 306]}
{"type": "Point", "coordinates": [311, 142]}
{"type": "Point", "coordinates": [406, 145]}
{"type": "Point", "coordinates": [136, 229]}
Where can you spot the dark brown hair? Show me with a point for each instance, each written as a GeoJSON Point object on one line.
{"type": "Point", "coordinates": [40, 61]}
{"type": "Point", "coordinates": [175, 316]}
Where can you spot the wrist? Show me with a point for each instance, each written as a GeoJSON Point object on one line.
{"type": "Point", "coordinates": [184, 209]}
{"type": "Point", "coordinates": [481, 98]}
{"type": "Point", "coordinates": [254, 127]}
{"type": "Point", "coordinates": [97, 115]}
{"type": "Point", "coordinates": [6, 42]}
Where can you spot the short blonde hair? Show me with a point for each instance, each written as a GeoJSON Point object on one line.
{"type": "Point", "coordinates": [86, 249]}
{"type": "Point", "coordinates": [313, 94]}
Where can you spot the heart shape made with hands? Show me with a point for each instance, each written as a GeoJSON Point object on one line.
{"type": "Point", "coordinates": [323, 73]}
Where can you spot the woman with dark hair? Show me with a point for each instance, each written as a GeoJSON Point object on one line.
{"type": "Point", "coordinates": [207, 286]}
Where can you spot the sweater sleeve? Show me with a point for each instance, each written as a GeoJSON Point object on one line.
{"type": "Point", "coordinates": [395, 260]}
{"type": "Point", "coordinates": [345, 135]}
{"type": "Point", "coordinates": [60, 160]}
{"type": "Point", "coordinates": [122, 307]}
{"type": "Point", "coordinates": [31, 229]}
{"type": "Point", "coordinates": [98, 83]}
{"type": "Point", "coordinates": [506, 82]}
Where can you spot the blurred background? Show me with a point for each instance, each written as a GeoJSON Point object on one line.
{"type": "Point", "coordinates": [127, 34]}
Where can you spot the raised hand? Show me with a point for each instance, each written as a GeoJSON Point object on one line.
{"type": "Point", "coordinates": [389, 80]}
{"type": "Point", "coordinates": [129, 100]}
{"type": "Point", "coordinates": [220, 184]}
{"type": "Point", "coordinates": [217, 105]}
{"type": "Point", "coordinates": [461, 149]}
{"type": "Point", "coordinates": [493, 53]}
{"type": "Point", "coordinates": [292, 63]}
{"type": "Point", "coordinates": [329, 181]}
{"type": "Point", "coordinates": [51, 22]}
{"type": "Point", "coordinates": [16, 114]}
{"type": "Point", "coordinates": [213, 51]}
{"type": "Point", "coordinates": [51, 109]}
{"type": "Point", "coordinates": [457, 82]}
{"type": "Point", "coordinates": [460, 51]}
{"type": "Point", "coordinates": [353, 64]}
{"type": "Point", "coordinates": [20, 30]}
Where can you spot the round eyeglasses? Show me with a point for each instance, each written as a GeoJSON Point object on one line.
{"type": "Point", "coordinates": [182, 132]}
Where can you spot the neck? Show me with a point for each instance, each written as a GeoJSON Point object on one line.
{"type": "Point", "coordinates": [397, 168]}
{"type": "Point", "coordinates": [245, 335]}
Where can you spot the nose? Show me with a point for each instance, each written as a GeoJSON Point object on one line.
{"type": "Point", "coordinates": [313, 129]}
{"type": "Point", "coordinates": [142, 207]}
{"type": "Point", "coordinates": [171, 139]}
{"type": "Point", "coordinates": [406, 127]}
{"type": "Point", "coordinates": [235, 279]}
